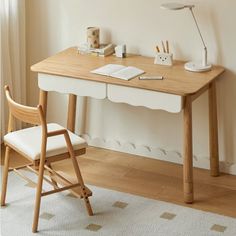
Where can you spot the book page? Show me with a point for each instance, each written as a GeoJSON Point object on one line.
{"type": "Point", "coordinates": [107, 69]}
{"type": "Point", "coordinates": [127, 73]}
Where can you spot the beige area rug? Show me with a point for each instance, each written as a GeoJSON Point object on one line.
{"type": "Point", "coordinates": [116, 213]}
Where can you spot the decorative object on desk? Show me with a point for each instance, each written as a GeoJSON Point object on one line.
{"type": "Point", "coordinates": [103, 50]}
{"type": "Point", "coordinates": [93, 37]}
{"type": "Point", "coordinates": [165, 57]}
{"type": "Point", "coordinates": [191, 66]}
{"type": "Point", "coordinates": [120, 50]}
{"type": "Point", "coordinates": [118, 71]}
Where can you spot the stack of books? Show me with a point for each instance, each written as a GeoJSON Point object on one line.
{"type": "Point", "coordinates": [103, 50]}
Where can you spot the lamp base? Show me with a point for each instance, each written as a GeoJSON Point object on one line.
{"type": "Point", "coordinates": [197, 67]}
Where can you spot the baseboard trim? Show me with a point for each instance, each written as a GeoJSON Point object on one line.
{"type": "Point", "coordinates": [159, 153]}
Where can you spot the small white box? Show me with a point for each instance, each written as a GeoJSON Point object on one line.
{"type": "Point", "coordinates": [164, 59]}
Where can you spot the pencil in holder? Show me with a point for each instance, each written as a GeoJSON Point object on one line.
{"type": "Point", "coordinates": [163, 58]}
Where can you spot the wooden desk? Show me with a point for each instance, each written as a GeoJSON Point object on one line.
{"type": "Point", "coordinates": [69, 72]}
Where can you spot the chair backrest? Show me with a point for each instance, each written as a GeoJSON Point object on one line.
{"type": "Point", "coordinates": [31, 115]}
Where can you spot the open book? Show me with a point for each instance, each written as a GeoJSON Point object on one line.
{"type": "Point", "coordinates": [118, 71]}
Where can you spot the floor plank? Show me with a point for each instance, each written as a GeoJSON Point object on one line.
{"type": "Point", "coordinates": [153, 179]}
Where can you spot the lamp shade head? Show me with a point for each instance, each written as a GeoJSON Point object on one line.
{"type": "Point", "coordinates": [175, 6]}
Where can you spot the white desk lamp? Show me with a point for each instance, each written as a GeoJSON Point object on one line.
{"type": "Point", "coordinates": [191, 66]}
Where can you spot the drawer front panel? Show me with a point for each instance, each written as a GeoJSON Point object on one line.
{"type": "Point", "coordinates": [146, 98]}
{"type": "Point", "coordinates": [72, 85]}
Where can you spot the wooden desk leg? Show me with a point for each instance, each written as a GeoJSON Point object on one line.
{"type": "Point", "coordinates": [188, 152]}
{"type": "Point", "coordinates": [43, 98]}
{"type": "Point", "coordinates": [213, 131]}
{"type": "Point", "coordinates": [71, 112]}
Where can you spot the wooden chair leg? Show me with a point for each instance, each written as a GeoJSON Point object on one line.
{"type": "Point", "coordinates": [5, 176]}
{"type": "Point", "coordinates": [39, 191]}
{"type": "Point", "coordinates": [78, 174]}
{"type": "Point", "coordinates": [80, 180]}
{"type": "Point", "coordinates": [51, 176]}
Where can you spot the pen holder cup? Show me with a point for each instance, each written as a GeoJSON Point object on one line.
{"type": "Point", "coordinates": [164, 59]}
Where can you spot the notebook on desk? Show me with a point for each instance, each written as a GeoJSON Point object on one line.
{"type": "Point", "coordinates": [118, 71]}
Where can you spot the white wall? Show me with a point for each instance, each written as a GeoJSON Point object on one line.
{"type": "Point", "coordinates": [57, 24]}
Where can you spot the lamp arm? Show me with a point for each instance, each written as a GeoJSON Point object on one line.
{"type": "Point", "coordinates": [205, 48]}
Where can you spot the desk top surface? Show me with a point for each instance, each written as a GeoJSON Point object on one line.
{"type": "Point", "coordinates": [176, 79]}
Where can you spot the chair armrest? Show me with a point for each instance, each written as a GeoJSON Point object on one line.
{"type": "Point", "coordinates": [56, 132]}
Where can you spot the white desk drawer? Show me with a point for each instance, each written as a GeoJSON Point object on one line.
{"type": "Point", "coordinates": [72, 85]}
{"type": "Point", "coordinates": [146, 98]}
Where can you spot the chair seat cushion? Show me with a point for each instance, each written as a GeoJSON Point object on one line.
{"type": "Point", "coordinates": [28, 141]}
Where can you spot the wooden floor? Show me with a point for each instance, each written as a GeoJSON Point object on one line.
{"type": "Point", "coordinates": [152, 178]}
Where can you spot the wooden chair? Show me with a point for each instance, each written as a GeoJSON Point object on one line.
{"type": "Point", "coordinates": [42, 145]}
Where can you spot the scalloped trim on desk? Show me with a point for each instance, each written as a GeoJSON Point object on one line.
{"type": "Point", "coordinates": [158, 153]}
{"type": "Point", "coordinates": [69, 85]}
{"type": "Point", "coordinates": [146, 98]}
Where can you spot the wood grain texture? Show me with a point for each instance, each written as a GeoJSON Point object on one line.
{"type": "Point", "coordinates": [78, 174]}
{"type": "Point", "coordinates": [188, 152]}
{"type": "Point", "coordinates": [37, 116]}
{"type": "Point", "coordinates": [150, 178]}
{"type": "Point", "coordinates": [43, 100]}
{"type": "Point", "coordinates": [39, 182]}
{"type": "Point", "coordinates": [64, 181]}
{"type": "Point", "coordinates": [176, 80]}
{"type": "Point", "coordinates": [71, 112]}
{"type": "Point", "coordinates": [23, 113]}
{"type": "Point", "coordinates": [213, 131]}
{"type": "Point", "coordinates": [5, 176]}
{"type": "Point", "coordinates": [154, 179]}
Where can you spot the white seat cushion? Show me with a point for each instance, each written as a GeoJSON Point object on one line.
{"type": "Point", "coordinates": [28, 141]}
